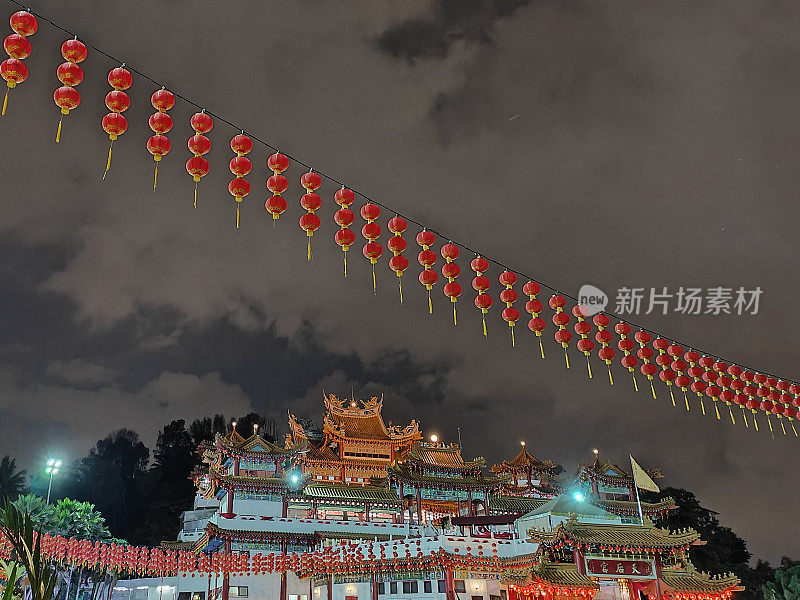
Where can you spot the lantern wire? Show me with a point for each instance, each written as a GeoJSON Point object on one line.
{"type": "Point", "coordinates": [363, 195]}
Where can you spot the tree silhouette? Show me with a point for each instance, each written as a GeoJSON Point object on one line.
{"type": "Point", "coordinates": [12, 480]}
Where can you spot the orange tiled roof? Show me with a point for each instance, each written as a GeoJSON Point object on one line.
{"type": "Point", "coordinates": [442, 456]}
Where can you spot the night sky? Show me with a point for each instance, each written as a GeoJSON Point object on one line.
{"type": "Point", "coordinates": [624, 143]}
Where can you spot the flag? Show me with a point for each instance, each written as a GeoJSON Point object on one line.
{"type": "Point", "coordinates": [642, 479]}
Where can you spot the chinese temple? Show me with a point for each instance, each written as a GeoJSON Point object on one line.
{"type": "Point", "coordinates": [358, 509]}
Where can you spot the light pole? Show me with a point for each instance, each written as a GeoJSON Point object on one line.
{"type": "Point", "coordinates": [52, 468]}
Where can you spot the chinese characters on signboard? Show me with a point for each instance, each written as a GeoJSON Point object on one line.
{"type": "Point", "coordinates": [620, 568]}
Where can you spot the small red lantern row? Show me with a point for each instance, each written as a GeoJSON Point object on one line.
{"type": "Point", "coordinates": [240, 166]}
{"type": "Point", "coordinates": [310, 202]}
{"type": "Point", "coordinates": [160, 122]}
{"type": "Point", "coordinates": [69, 74]}
{"type": "Point", "coordinates": [451, 270]}
{"type": "Point", "coordinates": [18, 48]}
{"type": "Point", "coordinates": [277, 184]}
{"type": "Point", "coordinates": [117, 101]}
{"type": "Point", "coordinates": [344, 217]}
{"type": "Point", "coordinates": [536, 324]}
{"type": "Point", "coordinates": [397, 244]}
{"type": "Point", "coordinates": [198, 145]}
{"type": "Point", "coordinates": [371, 231]}
{"type": "Point", "coordinates": [481, 284]}
{"type": "Point", "coordinates": [427, 258]}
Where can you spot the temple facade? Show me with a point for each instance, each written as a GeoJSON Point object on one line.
{"type": "Point", "coordinates": [359, 509]}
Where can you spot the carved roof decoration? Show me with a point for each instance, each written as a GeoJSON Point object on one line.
{"type": "Point", "coordinates": [523, 461]}
{"type": "Point", "coordinates": [362, 420]}
{"type": "Point", "coordinates": [439, 455]}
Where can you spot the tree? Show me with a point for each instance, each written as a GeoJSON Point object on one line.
{"type": "Point", "coordinates": [109, 477]}
{"type": "Point", "coordinates": [723, 552]}
{"type": "Point", "coordinates": [204, 430]}
{"type": "Point", "coordinates": [12, 481]}
{"type": "Point", "coordinates": [786, 583]}
{"type": "Point", "coordinates": [38, 509]}
{"type": "Point", "coordinates": [76, 519]}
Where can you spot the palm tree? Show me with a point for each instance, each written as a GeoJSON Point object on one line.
{"type": "Point", "coordinates": [12, 481]}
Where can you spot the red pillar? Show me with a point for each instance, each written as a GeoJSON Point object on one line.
{"type": "Point", "coordinates": [469, 499]}
{"type": "Point", "coordinates": [366, 511]}
{"type": "Point", "coordinates": [283, 575]}
{"type": "Point", "coordinates": [419, 506]}
{"type": "Point", "coordinates": [285, 507]}
{"type": "Point", "coordinates": [632, 493]}
{"type": "Point", "coordinates": [330, 587]}
{"type": "Point", "coordinates": [226, 583]}
{"type": "Point", "coordinates": [595, 490]}
{"type": "Point", "coordinates": [235, 465]}
{"type": "Point", "coordinates": [373, 587]}
{"type": "Point", "coordinates": [449, 586]}
{"type": "Point", "coordinates": [229, 501]}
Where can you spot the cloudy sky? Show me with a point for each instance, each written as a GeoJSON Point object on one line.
{"type": "Point", "coordinates": [613, 143]}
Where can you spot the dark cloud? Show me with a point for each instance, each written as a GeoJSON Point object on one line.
{"type": "Point", "coordinates": [445, 23]}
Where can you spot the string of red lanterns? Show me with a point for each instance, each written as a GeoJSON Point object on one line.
{"type": "Point", "coordinates": [240, 166]}
{"type": "Point", "coordinates": [18, 48]}
{"type": "Point", "coordinates": [69, 74]}
{"type": "Point", "coordinates": [705, 376]}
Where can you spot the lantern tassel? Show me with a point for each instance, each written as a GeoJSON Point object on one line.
{"type": "Point", "coordinates": [513, 342]}
{"type": "Point", "coordinates": [730, 412]}
{"type": "Point", "coordinates": [744, 418]}
{"type": "Point", "coordinates": [400, 287]}
{"type": "Point", "coordinates": [5, 102]}
{"type": "Point", "coordinates": [541, 347]}
{"type": "Point", "coordinates": [237, 227]}
{"type": "Point", "coordinates": [195, 196]}
{"type": "Point", "coordinates": [702, 406]}
{"type": "Point", "coordinates": [374, 282]}
{"type": "Point", "coordinates": [345, 261]}
{"type": "Point", "coordinates": [308, 249]}
{"type": "Point", "coordinates": [455, 318]}
{"type": "Point", "coordinates": [58, 131]}
{"type": "Point", "coordinates": [783, 427]}
{"type": "Point", "coordinates": [686, 400]}
{"type": "Point", "coordinates": [566, 356]}
{"type": "Point", "coordinates": [155, 178]}
{"type": "Point", "coordinates": [108, 161]}
{"type": "Point", "coordinates": [430, 303]}
{"type": "Point", "coordinates": [635, 384]}
{"type": "Point", "coordinates": [672, 396]}
{"type": "Point", "coordinates": [483, 318]}
{"type": "Point", "coordinates": [610, 376]}
{"type": "Point", "coordinates": [652, 389]}
{"type": "Point", "coordinates": [589, 366]}
{"type": "Point", "coordinates": [769, 422]}
{"type": "Point", "coordinates": [793, 429]}
{"type": "Point", "coordinates": [755, 421]}
{"type": "Point", "coordinates": [716, 410]}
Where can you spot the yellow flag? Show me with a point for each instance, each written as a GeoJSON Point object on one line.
{"type": "Point", "coordinates": [642, 479]}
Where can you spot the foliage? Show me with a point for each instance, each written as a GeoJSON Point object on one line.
{"type": "Point", "coordinates": [39, 510]}
{"type": "Point", "coordinates": [18, 527]}
{"type": "Point", "coordinates": [786, 583]}
{"type": "Point", "coordinates": [11, 573]}
{"type": "Point", "coordinates": [73, 518]}
{"type": "Point", "coordinates": [12, 481]}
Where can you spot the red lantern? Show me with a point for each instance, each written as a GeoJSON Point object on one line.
{"type": "Point", "coordinates": [583, 328]}
{"type": "Point", "coordinates": [427, 258]}
{"type": "Point", "coordinates": [664, 361]}
{"type": "Point", "coordinates": [712, 391]}
{"type": "Point", "coordinates": [561, 320]}
{"type": "Point", "coordinates": [451, 270]}
{"type": "Point", "coordinates": [160, 122]}
{"type": "Point", "coordinates": [397, 244]}
{"type": "Point", "coordinates": [199, 144]}
{"type": "Point", "coordinates": [645, 354]}
{"type": "Point", "coordinates": [240, 166]}
{"type": "Point", "coordinates": [69, 74]}
{"type": "Point", "coordinates": [724, 382]}
{"type": "Point", "coordinates": [678, 365]}
{"type": "Point", "coordinates": [371, 231]}
{"type": "Point", "coordinates": [117, 101]}
{"type": "Point", "coordinates": [509, 296]}
{"type": "Point", "coordinates": [344, 217]}
{"type": "Point", "coordinates": [695, 372]}
{"type": "Point", "coordinates": [311, 202]}
{"type": "Point", "coordinates": [626, 345]}
{"type": "Point", "coordinates": [18, 48]}
{"type": "Point", "coordinates": [481, 283]}
{"type": "Point", "coordinates": [604, 337]}
{"type": "Point", "coordinates": [534, 307]}
{"type": "Point", "coordinates": [277, 184]}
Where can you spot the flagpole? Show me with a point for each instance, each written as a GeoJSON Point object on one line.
{"type": "Point", "coordinates": [638, 501]}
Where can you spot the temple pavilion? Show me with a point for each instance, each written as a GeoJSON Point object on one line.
{"type": "Point", "coordinates": [364, 510]}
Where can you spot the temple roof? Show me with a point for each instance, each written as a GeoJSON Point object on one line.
{"type": "Point", "coordinates": [363, 421]}
{"type": "Point", "coordinates": [565, 574]}
{"type": "Point", "coordinates": [564, 505]}
{"type": "Point", "coordinates": [611, 472]}
{"type": "Point", "coordinates": [442, 455]}
{"type": "Point", "coordinates": [615, 535]}
{"type": "Point", "coordinates": [516, 504]}
{"type": "Point", "coordinates": [629, 507]}
{"type": "Point", "coordinates": [401, 471]}
{"type": "Point", "coordinates": [525, 460]}
{"type": "Point", "coordinates": [255, 445]}
{"type": "Point", "coordinates": [691, 580]}
{"type": "Point", "coordinates": [350, 492]}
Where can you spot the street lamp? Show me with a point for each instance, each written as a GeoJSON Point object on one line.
{"type": "Point", "coordinates": [52, 468]}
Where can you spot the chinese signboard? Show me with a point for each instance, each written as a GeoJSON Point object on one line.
{"type": "Point", "coordinates": [620, 568]}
